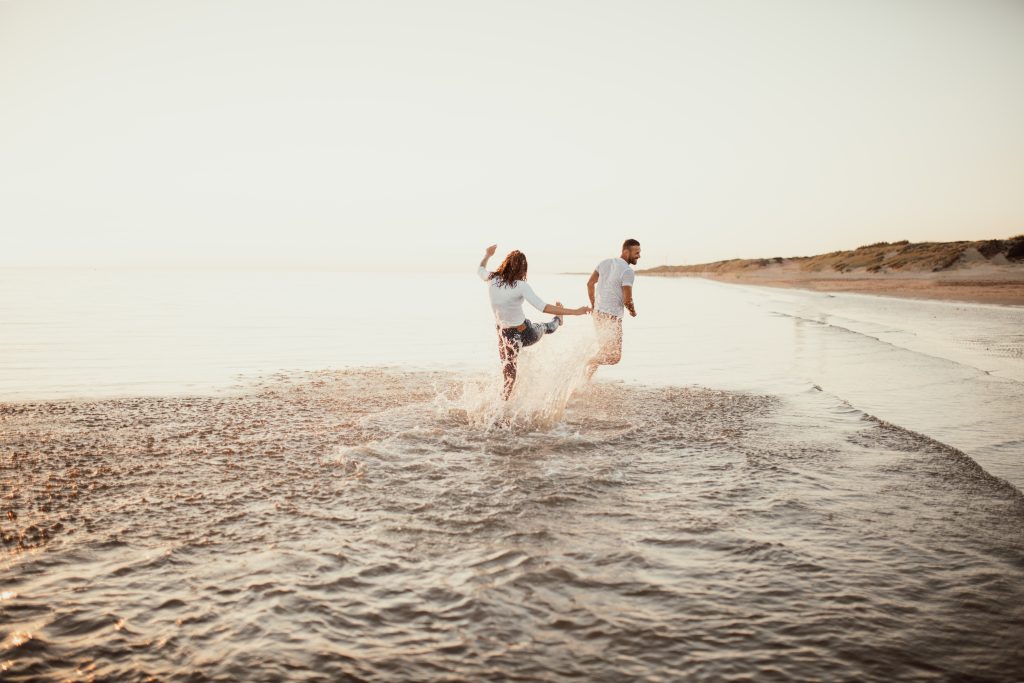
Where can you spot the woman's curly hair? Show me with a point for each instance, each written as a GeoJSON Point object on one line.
{"type": "Point", "coordinates": [511, 270]}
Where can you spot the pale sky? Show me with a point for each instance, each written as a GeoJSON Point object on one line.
{"type": "Point", "coordinates": [383, 135]}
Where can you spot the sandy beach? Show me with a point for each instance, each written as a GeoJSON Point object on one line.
{"type": "Point", "coordinates": [943, 271]}
{"type": "Point", "coordinates": [983, 285]}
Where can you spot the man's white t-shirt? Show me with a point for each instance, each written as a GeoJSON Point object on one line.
{"type": "Point", "coordinates": [612, 275]}
{"type": "Point", "coordinates": [507, 302]}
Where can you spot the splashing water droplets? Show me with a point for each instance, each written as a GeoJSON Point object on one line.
{"type": "Point", "coordinates": [550, 373]}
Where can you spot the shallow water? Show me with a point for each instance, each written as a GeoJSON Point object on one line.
{"type": "Point", "coordinates": [726, 504]}
{"type": "Point", "coordinates": [362, 524]}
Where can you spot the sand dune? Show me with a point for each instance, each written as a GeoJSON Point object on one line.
{"type": "Point", "coordinates": [987, 271]}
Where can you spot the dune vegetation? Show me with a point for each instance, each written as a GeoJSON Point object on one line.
{"type": "Point", "coordinates": [881, 257]}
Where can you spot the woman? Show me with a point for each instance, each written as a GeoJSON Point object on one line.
{"type": "Point", "coordinates": [508, 289]}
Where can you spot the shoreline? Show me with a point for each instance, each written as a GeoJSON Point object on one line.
{"type": "Point", "coordinates": [1001, 291]}
{"type": "Point", "coordinates": [980, 272]}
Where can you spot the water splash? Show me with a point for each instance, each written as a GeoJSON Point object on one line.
{"type": "Point", "coordinates": [550, 373]}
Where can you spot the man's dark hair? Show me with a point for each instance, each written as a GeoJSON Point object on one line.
{"type": "Point", "coordinates": [630, 243]}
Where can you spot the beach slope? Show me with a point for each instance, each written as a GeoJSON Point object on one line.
{"type": "Point", "coordinates": [985, 271]}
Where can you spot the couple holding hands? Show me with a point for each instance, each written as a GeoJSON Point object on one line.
{"type": "Point", "coordinates": [610, 288]}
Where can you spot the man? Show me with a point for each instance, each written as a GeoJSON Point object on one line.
{"type": "Point", "coordinates": [613, 281]}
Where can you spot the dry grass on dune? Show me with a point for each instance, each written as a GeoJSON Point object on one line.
{"type": "Point", "coordinates": [875, 258]}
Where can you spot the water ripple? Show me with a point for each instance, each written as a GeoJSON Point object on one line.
{"type": "Point", "coordinates": [372, 525]}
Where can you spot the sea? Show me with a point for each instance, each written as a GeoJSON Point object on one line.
{"type": "Point", "coordinates": [266, 475]}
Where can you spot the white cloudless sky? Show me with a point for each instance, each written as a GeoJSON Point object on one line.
{"type": "Point", "coordinates": [395, 135]}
